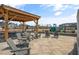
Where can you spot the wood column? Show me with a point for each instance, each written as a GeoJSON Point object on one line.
{"type": "Point", "coordinates": [36, 28]}
{"type": "Point", "coordinates": [23, 26]}
{"type": "Point", "coordinates": [6, 24]}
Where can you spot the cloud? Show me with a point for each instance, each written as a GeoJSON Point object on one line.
{"type": "Point", "coordinates": [57, 7]}
{"type": "Point", "coordinates": [60, 8]}
{"type": "Point", "coordinates": [58, 20]}
{"type": "Point", "coordinates": [58, 13]}
{"type": "Point", "coordinates": [77, 7]}
{"type": "Point", "coordinates": [46, 5]}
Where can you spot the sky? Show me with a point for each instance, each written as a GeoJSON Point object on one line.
{"type": "Point", "coordinates": [57, 12]}
{"type": "Point", "coordinates": [52, 14]}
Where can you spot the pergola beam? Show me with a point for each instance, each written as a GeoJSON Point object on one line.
{"type": "Point", "coordinates": [12, 18]}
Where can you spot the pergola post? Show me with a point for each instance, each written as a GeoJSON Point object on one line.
{"type": "Point", "coordinates": [23, 26]}
{"type": "Point", "coordinates": [36, 28]}
{"type": "Point", "coordinates": [6, 25]}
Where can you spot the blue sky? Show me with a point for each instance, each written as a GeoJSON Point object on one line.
{"type": "Point", "coordinates": [48, 11]}
{"type": "Point", "coordinates": [36, 9]}
{"type": "Point", "coordinates": [52, 13]}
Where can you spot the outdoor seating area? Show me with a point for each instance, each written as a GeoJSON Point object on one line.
{"type": "Point", "coordinates": [31, 42]}
{"type": "Point", "coordinates": [64, 45]}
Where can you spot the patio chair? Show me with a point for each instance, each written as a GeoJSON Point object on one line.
{"type": "Point", "coordinates": [21, 39]}
{"type": "Point", "coordinates": [37, 35]}
{"type": "Point", "coordinates": [47, 34]}
{"type": "Point", "coordinates": [28, 36]}
{"type": "Point", "coordinates": [16, 50]}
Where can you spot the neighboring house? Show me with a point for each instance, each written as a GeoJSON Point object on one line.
{"type": "Point", "coordinates": [40, 28]}
{"type": "Point", "coordinates": [12, 25]}
{"type": "Point", "coordinates": [68, 27]}
{"type": "Point", "coordinates": [43, 28]}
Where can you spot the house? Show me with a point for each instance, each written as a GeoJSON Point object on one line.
{"type": "Point", "coordinates": [12, 26]}
{"type": "Point", "coordinates": [68, 27]}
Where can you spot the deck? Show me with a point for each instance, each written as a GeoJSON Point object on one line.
{"type": "Point", "coordinates": [45, 46]}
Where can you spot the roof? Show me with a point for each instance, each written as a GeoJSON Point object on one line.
{"type": "Point", "coordinates": [16, 14]}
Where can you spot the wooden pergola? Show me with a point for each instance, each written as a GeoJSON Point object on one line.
{"type": "Point", "coordinates": [8, 13]}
